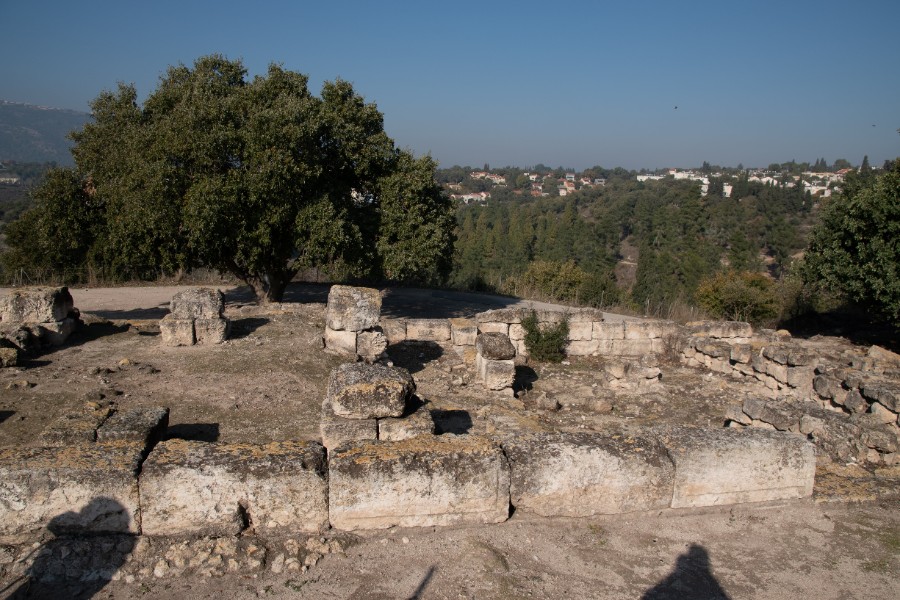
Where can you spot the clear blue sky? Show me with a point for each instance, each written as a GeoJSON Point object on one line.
{"type": "Point", "coordinates": [516, 83]}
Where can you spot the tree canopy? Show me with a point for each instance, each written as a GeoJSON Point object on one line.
{"type": "Point", "coordinates": [856, 247]}
{"type": "Point", "coordinates": [259, 178]}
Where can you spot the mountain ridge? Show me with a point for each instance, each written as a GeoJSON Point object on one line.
{"type": "Point", "coordinates": [32, 133]}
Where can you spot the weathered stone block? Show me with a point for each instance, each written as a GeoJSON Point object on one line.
{"type": "Point", "coordinates": [428, 330]}
{"type": "Point", "coordinates": [394, 330]}
{"type": "Point", "coordinates": [581, 331]}
{"type": "Point", "coordinates": [340, 342]}
{"type": "Point", "coordinates": [463, 332]}
{"type": "Point", "coordinates": [583, 348]}
{"type": "Point", "coordinates": [495, 374]}
{"type": "Point", "coordinates": [36, 305]}
{"type": "Point", "coordinates": [395, 429]}
{"type": "Point", "coordinates": [88, 488]}
{"type": "Point", "coordinates": [352, 308]}
{"type": "Point", "coordinates": [211, 331]}
{"type": "Point", "coordinates": [197, 488]}
{"type": "Point", "coordinates": [501, 328]}
{"type": "Point", "coordinates": [516, 332]}
{"type": "Point", "coordinates": [625, 347]}
{"type": "Point", "coordinates": [741, 353]}
{"type": "Point", "coordinates": [361, 391]}
{"type": "Point", "coordinates": [56, 333]}
{"type": "Point", "coordinates": [9, 357]}
{"type": "Point", "coordinates": [494, 346]}
{"type": "Point", "coordinates": [144, 426]}
{"type": "Point", "coordinates": [198, 303]}
{"type": "Point", "coordinates": [337, 430]}
{"type": "Point", "coordinates": [501, 315]}
{"type": "Point", "coordinates": [585, 315]}
{"type": "Point", "coordinates": [638, 330]}
{"type": "Point", "coordinates": [176, 332]}
{"type": "Point", "coordinates": [729, 466]}
{"type": "Point", "coordinates": [371, 344]}
{"type": "Point", "coordinates": [885, 392]}
{"type": "Point", "coordinates": [584, 474]}
{"type": "Point", "coordinates": [721, 329]}
{"type": "Point", "coordinates": [614, 330]}
{"type": "Point", "coordinates": [418, 482]}
{"type": "Point", "coordinates": [75, 428]}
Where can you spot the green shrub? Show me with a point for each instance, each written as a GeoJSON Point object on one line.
{"type": "Point", "coordinates": [739, 296]}
{"type": "Point", "coordinates": [547, 345]}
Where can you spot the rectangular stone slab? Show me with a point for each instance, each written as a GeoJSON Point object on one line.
{"type": "Point", "coordinates": [144, 426]}
{"type": "Point", "coordinates": [428, 330]}
{"type": "Point", "coordinates": [36, 305]}
{"type": "Point", "coordinates": [584, 474]}
{"type": "Point", "coordinates": [197, 488]}
{"type": "Point", "coordinates": [419, 482]}
{"type": "Point", "coordinates": [734, 465]}
{"type": "Point", "coordinates": [336, 430]}
{"type": "Point", "coordinates": [89, 488]}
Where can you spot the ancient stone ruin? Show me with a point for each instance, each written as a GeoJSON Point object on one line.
{"type": "Point", "coordinates": [196, 317]}
{"type": "Point", "coordinates": [34, 318]}
{"type": "Point", "coordinates": [351, 322]}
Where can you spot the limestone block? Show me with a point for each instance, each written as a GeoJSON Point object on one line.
{"type": "Point", "coordinates": [884, 355]}
{"type": "Point", "coordinates": [340, 342]}
{"type": "Point", "coordinates": [885, 392]}
{"type": "Point", "coordinates": [734, 412]}
{"type": "Point", "coordinates": [853, 401]}
{"type": "Point", "coordinates": [75, 428]}
{"type": "Point", "coordinates": [217, 489]}
{"type": "Point", "coordinates": [583, 348]}
{"type": "Point", "coordinates": [729, 466]}
{"type": "Point", "coordinates": [211, 331]}
{"type": "Point", "coordinates": [828, 387]}
{"type": "Point", "coordinates": [741, 353]}
{"type": "Point", "coordinates": [56, 333]}
{"type": "Point", "coordinates": [81, 488]}
{"type": "Point", "coordinates": [782, 415]}
{"type": "Point", "coordinates": [176, 332]}
{"type": "Point", "coordinates": [495, 374]}
{"type": "Point", "coordinates": [614, 330]}
{"type": "Point", "coordinates": [585, 315]}
{"type": "Point", "coordinates": [800, 377]}
{"type": "Point", "coordinates": [584, 474]}
{"type": "Point", "coordinates": [721, 329]}
{"type": "Point", "coordinates": [423, 481]}
{"type": "Point", "coordinates": [516, 332]}
{"type": "Point", "coordinates": [494, 346]}
{"type": "Point", "coordinates": [9, 357]}
{"type": "Point", "coordinates": [778, 371]}
{"type": "Point", "coordinates": [501, 315]}
{"type": "Point", "coordinates": [395, 429]}
{"type": "Point", "coordinates": [144, 426]}
{"type": "Point", "coordinates": [394, 330]}
{"type": "Point", "coordinates": [882, 414]}
{"type": "Point", "coordinates": [428, 330]}
{"type": "Point", "coordinates": [371, 344]}
{"type": "Point", "coordinates": [36, 305]}
{"type": "Point", "coordinates": [361, 391]}
{"type": "Point", "coordinates": [581, 331]}
{"type": "Point", "coordinates": [352, 308]}
{"type": "Point", "coordinates": [624, 347]}
{"type": "Point", "coordinates": [502, 328]}
{"type": "Point", "coordinates": [463, 332]}
{"type": "Point", "coordinates": [521, 348]}
{"type": "Point", "coordinates": [337, 430]}
{"type": "Point", "coordinates": [638, 330]}
{"type": "Point", "coordinates": [198, 303]}
{"type": "Point", "coordinates": [713, 348]}
{"type": "Point", "coordinates": [884, 438]}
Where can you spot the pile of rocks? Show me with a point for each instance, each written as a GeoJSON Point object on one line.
{"type": "Point", "coordinates": [196, 317]}
{"type": "Point", "coordinates": [371, 402]}
{"type": "Point", "coordinates": [495, 361]}
{"type": "Point", "coordinates": [640, 375]}
{"type": "Point", "coordinates": [352, 322]}
{"type": "Point", "coordinates": [33, 318]}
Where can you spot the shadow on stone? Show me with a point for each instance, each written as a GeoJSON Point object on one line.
{"type": "Point", "coordinates": [451, 421]}
{"type": "Point", "coordinates": [691, 579]}
{"type": "Point", "coordinates": [241, 328]}
{"type": "Point", "coordinates": [194, 432]}
{"type": "Point", "coordinates": [73, 564]}
{"type": "Point", "coordinates": [414, 355]}
{"type": "Point", "coordinates": [5, 414]}
{"type": "Point", "coordinates": [525, 378]}
{"type": "Point", "coordinates": [424, 584]}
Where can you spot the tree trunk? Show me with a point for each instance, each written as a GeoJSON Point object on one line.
{"type": "Point", "coordinates": [267, 287]}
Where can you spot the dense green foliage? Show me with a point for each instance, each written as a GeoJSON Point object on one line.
{"type": "Point", "coordinates": [525, 246]}
{"type": "Point", "coordinates": [856, 247]}
{"type": "Point", "coordinates": [739, 296]}
{"type": "Point", "coordinates": [14, 198]}
{"type": "Point", "coordinates": [257, 178]}
{"type": "Point", "coordinates": [548, 344]}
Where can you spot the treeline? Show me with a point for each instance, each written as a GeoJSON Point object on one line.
{"type": "Point", "coordinates": [681, 238]}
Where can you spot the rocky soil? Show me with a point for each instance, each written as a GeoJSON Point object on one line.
{"type": "Point", "coordinates": [267, 383]}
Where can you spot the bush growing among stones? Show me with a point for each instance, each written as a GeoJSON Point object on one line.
{"type": "Point", "coordinates": [549, 344]}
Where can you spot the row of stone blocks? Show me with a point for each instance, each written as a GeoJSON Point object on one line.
{"type": "Point", "coordinates": [195, 488]}
{"type": "Point", "coordinates": [196, 317]}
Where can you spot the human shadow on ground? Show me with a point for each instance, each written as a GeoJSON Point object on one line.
{"type": "Point", "coordinates": [194, 432]}
{"type": "Point", "coordinates": [524, 379]}
{"type": "Point", "coordinates": [424, 584]}
{"type": "Point", "coordinates": [691, 579]}
{"type": "Point", "coordinates": [413, 356]}
{"type": "Point", "coordinates": [75, 563]}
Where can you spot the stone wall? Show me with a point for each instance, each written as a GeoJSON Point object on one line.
{"type": "Point", "coordinates": [35, 318]}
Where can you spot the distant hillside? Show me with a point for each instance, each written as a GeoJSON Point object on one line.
{"type": "Point", "coordinates": [37, 134]}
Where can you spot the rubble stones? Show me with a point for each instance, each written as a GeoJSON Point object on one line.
{"type": "Point", "coordinates": [728, 466]}
{"type": "Point", "coordinates": [85, 488]}
{"type": "Point", "coordinates": [584, 474]}
{"type": "Point", "coordinates": [721, 329]}
{"type": "Point", "coordinates": [198, 488]}
{"type": "Point", "coordinates": [494, 346]}
{"type": "Point", "coordinates": [360, 391]}
{"type": "Point", "coordinates": [418, 482]}
{"type": "Point", "coordinates": [352, 308]}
